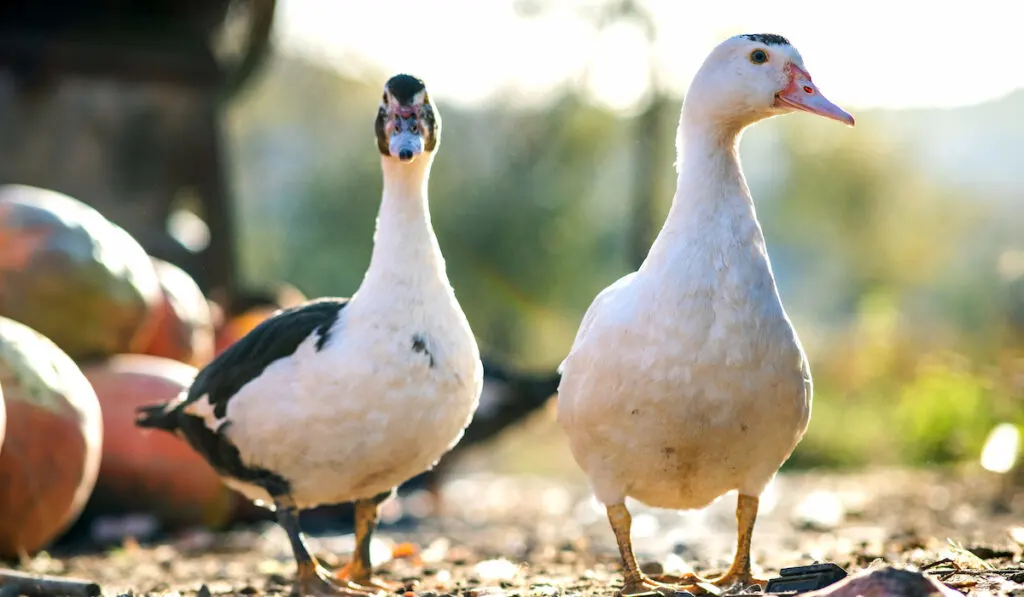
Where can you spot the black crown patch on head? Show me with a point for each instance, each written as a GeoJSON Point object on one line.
{"type": "Point", "coordinates": [768, 39]}
{"type": "Point", "coordinates": [404, 87]}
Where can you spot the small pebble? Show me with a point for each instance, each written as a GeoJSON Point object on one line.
{"type": "Point", "coordinates": [499, 569]}
{"type": "Point", "coordinates": [652, 568]}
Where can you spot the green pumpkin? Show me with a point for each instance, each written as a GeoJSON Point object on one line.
{"type": "Point", "coordinates": [71, 274]}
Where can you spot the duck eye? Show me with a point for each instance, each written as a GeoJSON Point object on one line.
{"type": "Point", "coordinates": [759, 57]}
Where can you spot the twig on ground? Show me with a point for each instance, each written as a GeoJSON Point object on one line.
{"type": "Point", "coordinates": [962, 584]}
{"type": "Point", "coordinates": [943, 573]}
{"type": "Point", "coordinates": [963, 572]}
{"type": "Point", "coordinates": [942, 562]}
{"type": "Point", "coordinates": [14, 583]}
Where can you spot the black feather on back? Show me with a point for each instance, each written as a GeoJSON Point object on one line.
{"type": "Point", "coordinates": [275, 338]}
{"type": "Point", "coordinates": [768, 39]}
{"type": "Point", "coordinates": [520, 395]}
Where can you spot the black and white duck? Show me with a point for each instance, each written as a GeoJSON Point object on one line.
{"type": "Point", "coordinates": [341, 400]}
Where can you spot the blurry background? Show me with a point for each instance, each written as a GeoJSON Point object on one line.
{"type": "Point", "coordinates": [898, 245]}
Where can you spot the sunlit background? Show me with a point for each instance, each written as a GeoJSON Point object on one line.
{"type": "Point", "coordinates": [866, 54]}
{"type": "Point", "coordinates": [897, 245]}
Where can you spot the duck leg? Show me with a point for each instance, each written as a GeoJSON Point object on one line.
{"type": "Point", "coordinates": [312, 578]}
{"type": "Point", "coordinates": [739, 572]}
{"type": "Point", "coordinates": [359, 570]}
{"type": "Point", "coordinates": [636, 582]}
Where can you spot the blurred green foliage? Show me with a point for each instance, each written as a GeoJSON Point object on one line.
{"type": "Point", "coordinates": [901, 283]}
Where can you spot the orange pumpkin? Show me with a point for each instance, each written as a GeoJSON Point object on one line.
{"type": "Point", "coordinates": [3, 419]}
{"type": "Point", "coordinates": [51, 452]}
{"type": "Point", "coordinates": [249, 309]}
{"type": "Point", "coordinates": [237, 327]}
{"type": "Point", "coordinates": [150, 471]}
{"type": "Point", "coordinates": [183, 329]}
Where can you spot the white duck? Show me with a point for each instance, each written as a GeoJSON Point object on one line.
{"type": "Point", "coordinates": [340, 400]}
{"type": "Point", "coordinates": [686, 379]}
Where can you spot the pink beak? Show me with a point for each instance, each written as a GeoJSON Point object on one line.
{"type": "Point", "coordinates": [802, 94]}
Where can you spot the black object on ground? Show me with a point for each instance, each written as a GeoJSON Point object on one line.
{"type": "Point", "coordinates": [801, 579]}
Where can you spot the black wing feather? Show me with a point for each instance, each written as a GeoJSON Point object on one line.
{"type": "Point", "coordinates": [275, 338]}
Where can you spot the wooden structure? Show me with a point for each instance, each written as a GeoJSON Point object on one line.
{"type": "Point", "coordinates": [118, 103]}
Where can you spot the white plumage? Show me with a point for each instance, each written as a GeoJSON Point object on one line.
{"type": "Point", "coordinates": [686, 379]}
{"type": "Point", "coordinates": [368, 411]}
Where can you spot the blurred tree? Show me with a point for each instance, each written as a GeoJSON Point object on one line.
{"type": "Point", "coordinates": [650, 139]}
{"type": "Point", "coordinates": [652, 147]}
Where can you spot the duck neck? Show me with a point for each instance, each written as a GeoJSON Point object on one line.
{"type": "Point", "coordinates": [712, 203]}
{"type": "Point", "coordinates": [405, 250]}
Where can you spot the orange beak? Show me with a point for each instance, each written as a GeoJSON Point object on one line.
{"type": "Point", "coordinates": [803, 94]}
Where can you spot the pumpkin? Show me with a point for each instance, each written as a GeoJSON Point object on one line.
{"type": "Point", "coordinates": [235, 328]}
{"type": "Point", "coordinates": [145, 470]}
{"type": "Point", "coordinates": [249, 309]}
{"type": "Point", "coordinates": [3, 419]}
{"type": "Point", "coordinates": [183, 328]}
{"type": "Point", "coordinates": [72, 275]}
{"type": "Point", "coordinates": [51, 452]}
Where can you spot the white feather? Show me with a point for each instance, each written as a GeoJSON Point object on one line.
{"type": "Point", "coordinates": [367, 412]}
{"type": "Point", "coordinates": [204, 410]}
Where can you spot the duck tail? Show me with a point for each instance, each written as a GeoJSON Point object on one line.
{"type": "Point", "coordinates": [156, 416]}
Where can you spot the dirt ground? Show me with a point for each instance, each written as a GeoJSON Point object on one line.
{"type": "Point", "coordinates": [529, 536]}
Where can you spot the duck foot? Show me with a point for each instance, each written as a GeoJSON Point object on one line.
{"type": "Point", "coordinates": [359, 571]}
{"type": "Point", "coordinates": [690, 582]}
{"type": "Point", "coordinates": [729, 580]}
{"type": "Point", "coordinates": [315, 581]}
{"type": "Point", "coordinates": [675, 580]}
{"type": "Point", "coordinates": [739, 572]}
{"type": "Point", "coordinates": [357, 576]}
{"type": "Point", "coordinates": [648, 586]}
{"type": "Point", "coordinates": [636, 582]}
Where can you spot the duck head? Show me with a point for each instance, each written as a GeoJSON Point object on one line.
{"type": "Point", "coordinates": [407, 123]}
{"type": "Point", "coordinates": [755, 76]}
